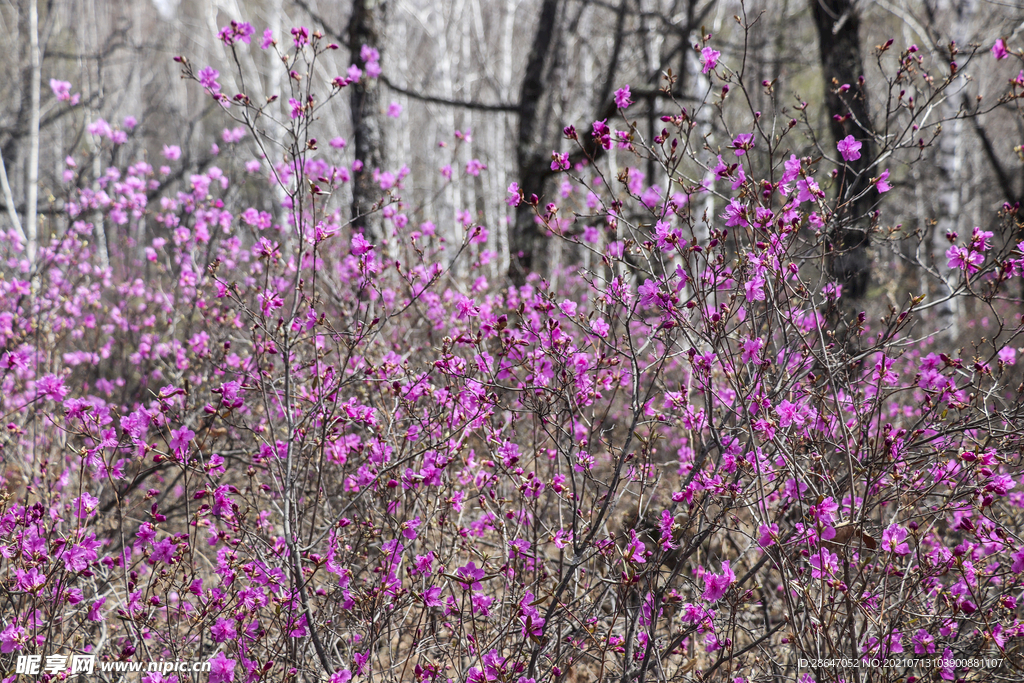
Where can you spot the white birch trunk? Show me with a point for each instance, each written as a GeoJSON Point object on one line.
{"type": "Point", "coordinates": [32, 177]}
{"type": "Point", "coordinates": [447, 227]}
{"type": "Point", "coordinates": [504, 152]}
{"type": "Point", "coordinates": [950, 164]}
{"type": "Point", "coordinates": [12, 212]}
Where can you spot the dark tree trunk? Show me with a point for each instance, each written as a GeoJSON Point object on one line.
{"type": "Point", "coordinates": [838, 26]}
{"type": "Point", "coordinates": [367, 26]}
{"type": "Point", "coordinates": [526, 241]}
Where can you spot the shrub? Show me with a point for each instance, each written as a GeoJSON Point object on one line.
{"type": "Point", "coordinates": [261, 440]}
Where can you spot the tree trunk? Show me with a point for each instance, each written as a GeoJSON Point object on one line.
{"type": "Point", "coordinates": [367, 26]}
{"type": "Point", "coordinates": [838, 27]}
{"type": "Point", "coordinates": [525, 246]}
{"type": "Point", "coordinates": [32, 175]}
{"type": "Point", "coordinates": [950, 164]}
{"type": "Point", "coordinates": [12, 211]}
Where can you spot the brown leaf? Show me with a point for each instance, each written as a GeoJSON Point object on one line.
{"type": "Point", "coordinates": [850, 534]}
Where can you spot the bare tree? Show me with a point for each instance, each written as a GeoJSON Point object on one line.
{"type": "Point", "coordinates": [367, 27]}
{"type": "Point", "coordinates": [838, 27]}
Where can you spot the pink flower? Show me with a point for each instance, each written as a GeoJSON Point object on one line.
{"type": "Point", "coordinates": [735, 213]}
{"type": "Point", "coordinates": [360, 659]}
{"type": "Point", "coordinates": [180, 439]}
{"type": "Point", "coordinates": [1007, 355]}
{"type": "Point", "coordinates": [924, 642]}
{"type": "Point", "coordinates": [12, 638]}
{"type": "Point", "coordinates": [824, 563]}
{"type": "Point", "coordinates": [751, 352]}
{"type": "Point", "coordinates": [394, 110]}
{"type": "Point", "coordinates": [981, 239]}
{"type": "Point", "coordinates": [424, 563]}
{"type": "Point", "coordinates": [1018, 561]}
{"type": "Point", "coordinates": [369, 54]}
{"type": "Point", "coordinates": [172, 152]}
{"type": "Point", "coordinates": [635, 549]}
{"type": "Point", "coordinates": [768, 534]}
{"type": "Point", "coordinates": [470, 575]}
{"type": "Point", "coordinates": [892, 540]}
{"type": "Point", "coordinates": [716, 585]}
{"type": "Point", "coordinates": [232, 135]}
{"type": "Point", "coordinates": [622, 97]}
{"type": "Point", "coordinates": [601, 133]}
{"type": "Point", "coordinates": [946, 669]}
{"type": "Point", "coordinates": [223, 630]}
{"type": "Point", "coordinates": [808, 190]}
{"type": "Point", "coordinates": [100, 128]}
{"type": "Point", "coordinates": [999, 50]}
{"type": "Point", "coordinates": [222, 669]}
{"type": "Point", "coordinates": [432, 597]}
{"type": "Point", "coordinates": [964, 259]}
{"type": "Point", "coordinates": [514, 196]}
{"type": "Point", "coordinates": [61, 89]}
{"type": "Point", "coordinates": [832, 291]}
{"type": "Point", "coordinates": [792, 169]}
{"type": "Point", "coordinates": [648, 292]}
{"type": "Point", "coordinates": [766, 428]}
{"type": "Point", "coordinates": [743, 143]}
{"type": "Point", "coordinates": [208, 79]}
{"type": "Point", "coordinates": [236, 31]}
{"type": "Point", "coordinates": [849, 147]}
{"type": "Point", "coordinates": [359, 245]}
{"type": "Point", "coordinates": [29, 581]}
{"type": "Point", "coordinates": [709, 58]}
{"type": "Point", "coordinates": [788, 413]}
{"type": "Point", "coordinates": [94, 610]}
{"type": "Point", "coordinates": [559, 161]}
{"type": "Point", "coordinates": [52, 387]}
{"type": "Point", "coordinates": [268, 39]}
{"type": "Point", "coordinates": [882, 182]}
{"type": "Point", "coordinates": [667, 237]}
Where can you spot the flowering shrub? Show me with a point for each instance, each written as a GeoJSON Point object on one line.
{"type": "Point", "coordinates": [260, 439]}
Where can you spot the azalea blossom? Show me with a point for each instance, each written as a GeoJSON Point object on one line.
{"type": "Point", "coordinates": [709, 58]}
{"type": "Point", "coordinates": [824, 564]}
{"type": "Point", "coordinates": [962, 258]}
{"type": "Point", "coordinates": [892, 540]}
{"type": "Point", "coordinates": [743, 143]}
{"type": "Point", "coordinates": [881, 183]}
{"type": "Point", "coordinates": [849, 147]}
{"type": "Point", "coordinates": [716, 585]}
{"type": "Point", "coordinates": [622, 97]}
{"type": "Point", "coordinates": [999, 50]}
